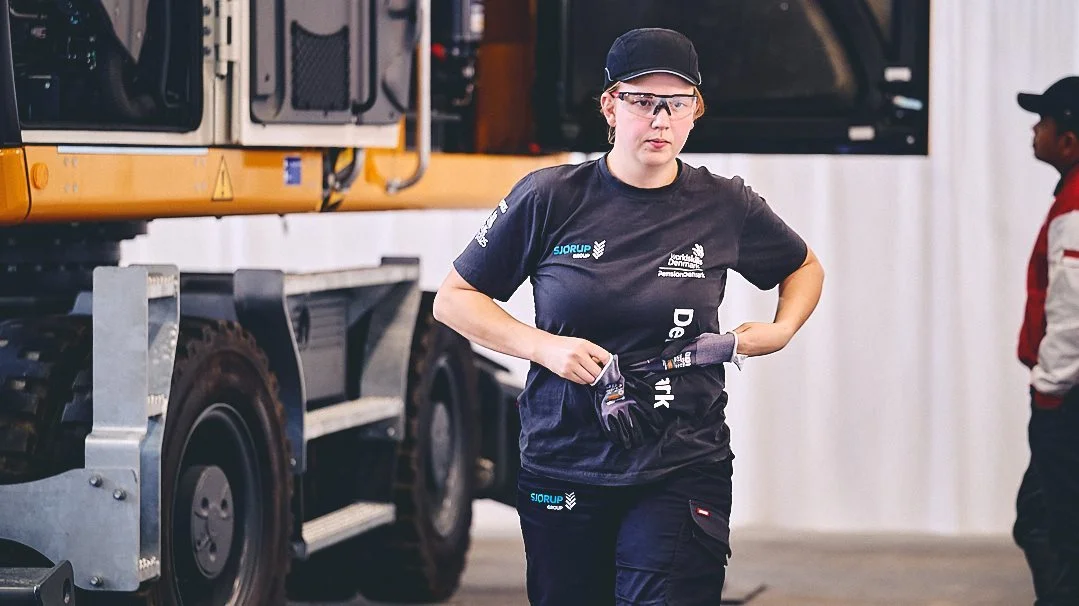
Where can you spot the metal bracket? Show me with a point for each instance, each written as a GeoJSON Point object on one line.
{"type": "Point", "coordinates": [225, 31]}
{"type": "Point", "coordinates": [89, 517]}
{"type": "Point", "coordinates": [136, 320]}
{"type": "Point", "coordinates": [105, 519]}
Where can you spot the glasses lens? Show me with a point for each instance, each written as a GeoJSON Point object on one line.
{"type": "Point", "coordinates": [645, 105]}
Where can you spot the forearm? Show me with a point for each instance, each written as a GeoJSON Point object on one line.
{"type": "Point", "coordinates": [482, 321]}
{"type": "Point", "coordinates": [799, 294]}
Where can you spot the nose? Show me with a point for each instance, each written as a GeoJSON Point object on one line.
{"type": "Point", "coordinates": [661, 119]}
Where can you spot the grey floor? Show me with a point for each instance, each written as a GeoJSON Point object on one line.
{"type": "Point", "coordinates": [776, 568]}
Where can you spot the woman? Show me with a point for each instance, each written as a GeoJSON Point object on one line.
{"type": "Point", "coordinates": [627, 253]}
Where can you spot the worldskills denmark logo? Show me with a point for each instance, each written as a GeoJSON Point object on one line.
{"type": "Point", "coordinates": [685, 265]}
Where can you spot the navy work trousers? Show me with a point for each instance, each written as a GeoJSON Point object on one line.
{"type": "Point", "coordinates": [1047, 507]}
{"type": "Point", "coordinates": [661, 543]}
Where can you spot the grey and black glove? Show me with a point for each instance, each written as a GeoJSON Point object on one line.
{"type": "Point", "coordinates": [620, 415]}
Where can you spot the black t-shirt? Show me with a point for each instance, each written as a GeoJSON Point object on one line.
{"type": "Point", "coordinates": [628, 269]}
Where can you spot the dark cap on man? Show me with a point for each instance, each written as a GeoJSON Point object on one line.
{"type": "Point", "coordinates": [1060, 101]}
{"type": "Point", "coordinates": [651, 50]}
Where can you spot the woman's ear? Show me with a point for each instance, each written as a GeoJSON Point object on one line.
{"type": "Point", "coordinates": [606, 105]}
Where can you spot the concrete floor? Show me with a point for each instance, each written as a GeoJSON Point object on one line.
{"type": "Point", "coordinates": [785, 569]}
{"type": "Point", "coordinates": [860, 570]}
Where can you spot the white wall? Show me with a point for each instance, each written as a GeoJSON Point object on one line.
{"type": "Point", "coordinates": [900, 406]}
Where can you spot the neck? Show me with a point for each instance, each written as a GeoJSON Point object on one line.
{"type": "Point", "coordinates": [1066, 167]}
{"type": "Point", "coordinates": [639, 175]}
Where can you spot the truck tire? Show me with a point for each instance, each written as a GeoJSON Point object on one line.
{"type": "Point", "coordinates": [44, 380]}
{"type": "Point", "coordinates": [225, 457]}
{"type": "Point", "coordinates": [225, 433]}
{"type": "Point", "coordinates": [44, 371]}
{"type": "Point", "coordinates": [421, 556]}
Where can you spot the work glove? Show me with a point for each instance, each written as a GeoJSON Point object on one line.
{"type": "Point", "coordinates": [706, 349]}
{"type": "Point", "coordinates": [620, 415]}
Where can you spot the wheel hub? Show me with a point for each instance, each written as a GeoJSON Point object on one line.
{"type": "Point", "coordinates": [208, 494]}
{"type": "Point", "coordinates": [444, 460]}
{"type": "Point", "coordinates": [441, 445]}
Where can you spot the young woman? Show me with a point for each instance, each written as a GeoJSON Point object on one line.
{"type": "Point", "coordinates": [628, 254]}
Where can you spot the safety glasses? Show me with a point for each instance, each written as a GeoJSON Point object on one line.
{"type": "Point", "coordinates": [648, 105]}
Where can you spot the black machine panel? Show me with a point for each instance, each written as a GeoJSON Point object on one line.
{"type": "Point", "coordinates": [107, 64]}
{"type": "Point", "coordinates": [331, 62]}
{"type": "Point", "coordinates": [780, 76]}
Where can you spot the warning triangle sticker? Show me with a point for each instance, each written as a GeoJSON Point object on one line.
{"type": "Point", "coordinates": [223, 184]}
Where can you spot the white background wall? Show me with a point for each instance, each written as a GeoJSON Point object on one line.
{"type": "Point", "coordinates": [900, 406]}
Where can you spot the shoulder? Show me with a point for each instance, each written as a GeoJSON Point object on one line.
{"type": "Point", "coordinates": [554, 178]}
{"type": "Point", "coordinates": [548, 186]}
{"type": "Point", "coordinates": [730, 192]}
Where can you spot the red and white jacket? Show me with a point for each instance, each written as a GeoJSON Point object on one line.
{"type": "Point", "coordinates": [1049, 339]}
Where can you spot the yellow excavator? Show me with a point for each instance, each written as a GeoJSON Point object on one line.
{"type": "Point", "coordinates": [246, 438]}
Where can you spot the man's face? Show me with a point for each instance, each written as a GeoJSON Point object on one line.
{"type": "Point", "coordinates": [1046, 141]}
{"type": "Point", "coordinates": [1057, 148]}
{"type": "Point", "coordinates": [654, 140]}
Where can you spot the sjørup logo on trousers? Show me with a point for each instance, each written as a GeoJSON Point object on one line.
{"type": "Point", "coordinates": [559, 502]}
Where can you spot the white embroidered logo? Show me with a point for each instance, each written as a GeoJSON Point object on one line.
{"type": "Point", "coordinates": [571, 500]}
{"type": "Point", "coordinates": [598, 248]}
{"type": "Point", "coordinates": [481, 235]}
{"type": "Point", "coordinates": [687, 265]}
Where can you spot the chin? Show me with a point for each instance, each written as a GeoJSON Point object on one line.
{"type": "Point", "coordinates": [649, 158]}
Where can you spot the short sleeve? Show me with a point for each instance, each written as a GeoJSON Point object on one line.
{"type": "Point", "coordinates": [768, 249]}
{"type": "Point", "coordinates": [505, 249]}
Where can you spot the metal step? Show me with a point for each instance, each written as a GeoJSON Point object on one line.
{"type": "Point", "coordinates": [346, 415]}
{"type": "Point", "coordinates": [303, 283]}
{"type": "Point", "coordinates": [342, 525]}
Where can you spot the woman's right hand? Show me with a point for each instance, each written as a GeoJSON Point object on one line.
{"type": "Point", "coordinates": [574, 359]}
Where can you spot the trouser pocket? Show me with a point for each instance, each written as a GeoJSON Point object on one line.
{"type": "Point", "coordinates": [711, 529]}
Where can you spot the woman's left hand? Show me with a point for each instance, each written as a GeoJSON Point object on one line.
{"type": "Point", "coordinates": [762, 338]}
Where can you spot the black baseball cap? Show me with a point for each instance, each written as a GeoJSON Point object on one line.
{"type": "Point", "coordinates": [651, 50]}
{"type": "Point", "coordinates": [1060, 100]}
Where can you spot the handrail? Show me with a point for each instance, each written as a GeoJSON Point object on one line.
{"type": "Point", "coordinates": [423, 102]}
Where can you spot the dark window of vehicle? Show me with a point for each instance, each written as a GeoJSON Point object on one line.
{"type": "Point", "coordinates": [79, 66]}
{"type": "Point", "coordinates": [780, 76]}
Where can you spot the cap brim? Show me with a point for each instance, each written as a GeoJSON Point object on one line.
{"type": "Point", "coordinates": [645, 72]}
{"type": "Point", "coordinates": [1031, 102]}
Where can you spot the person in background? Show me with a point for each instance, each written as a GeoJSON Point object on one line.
{"type": "Point", "coordinates": [1047, 506]}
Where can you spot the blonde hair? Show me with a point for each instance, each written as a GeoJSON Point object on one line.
{"type": "Point", "coordinates": [697, 113]}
